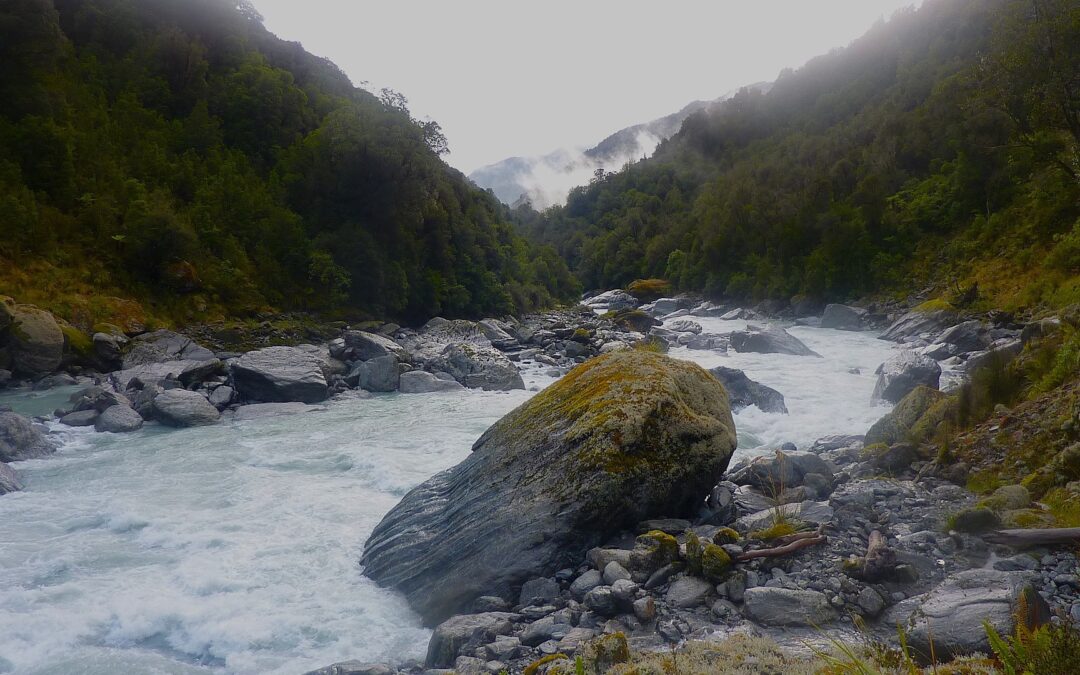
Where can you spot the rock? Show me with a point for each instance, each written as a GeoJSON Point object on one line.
{"type": "Point", "coordinates": [195, 372]}
{"type": "Point", "coordinates": [769, 340]}
{"type": "Point", "coordinates": [422, 382]}
{"type": "Point", "coordinates": [708, 309]}
{"type": "Point", "coordinates": [280, 374]}
{"type": "Point", "coordinates": [367, 346]}
{"type": "Point", "coordinates": [745, 392]}
{"type": "Point", "coordinates": [479, 367]}
{"type": "Point", "coordinates": [613, 572]}
{"type": "Point", "coordinates": [624, 591]}
{"type": "Point", "coordinates": [843, 317]}
{"type": "Point", "coordinates": [892, 459]}
{"type": "Point", "coordinates": [774, 606]}
{"type": "Point", "coordinates": [669, 525]}
{"type": "Point", "coordinates": [585, 583]}
{"type": "Point", "coordinates": [574, 639]}
{"type": "Point", "coordinates": [118, 419]}
{"type": "Point", "coordinates": [870, 601]}
{"type": "Point", "coordinates": [20, 439]}
{"type": "Point", "coordinates": [35, 341]}
{"type": "Point", "coordinates": [969, 336]}
{"type": "Point", "coordinates": [687, 591]}
{"type": "Point", "coordinates": [645, 609]}
{"type": "Point", "coordinates": [949, 619]}
{"type": "Point", "coordinates": [377, 374]}
{"type": "Point", "coordinates": [896, 425]}
{"type": "Point", "coordinates": [902, 373]}
{"type": "Point", "coordinates": [354, 668]}
{"type": "Point", "coordinates": [612, 300]}
{"type": "Point", "coordinates": [183, 408]}
{"type": "Point", "coordinates": [6, 375]}
{"type": "Point", "coordinates": [542, 630]}
{"type": "Point", "coordinates": [975, 520]}
{"type": "Point", "coordinates": [780, 470]}
{"type": "Point", "coordinates": [80, 418]}
{"type": "Point", "coordinates": [740, 314]}
{"type": "Point", "coordinates": [601, 601]}
{"type": "Point", "coordinates": [222, 396]}
{"type": "Point", "coordinates": [917, 323]}
{"type": "Point", "coordinates": [1009, 497]}
{"type": "Point", "coordinates": [191, 371]}
{"type": "Point", "coordinates": [108, 349]}
{"type": "Point", "coordinates": [163, 345]}
{"type": "Point", "coordinates": [538, 591]}
{"type": "Point", "coordinates": [9, 480]}
{"type": "Point", "coordinates": [451, 635]}
{"type": "Point", "coordinates": [555, 477]}
{"type": "Point", "coordinates": [685, 326]}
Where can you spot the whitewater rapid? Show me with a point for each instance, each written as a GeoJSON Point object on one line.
{"type": "Point", "coordinates": [233, 548]}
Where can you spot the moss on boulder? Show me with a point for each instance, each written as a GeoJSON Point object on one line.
{"type": "Point", "coordinates": [617, 440]}
{"type": "Point", "coordinates": [899, 423]}
{"type": "Point", "coordinates": [35, 340]}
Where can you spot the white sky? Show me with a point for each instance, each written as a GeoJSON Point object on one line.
{"type": "Point", "coordinates": [508, 77]}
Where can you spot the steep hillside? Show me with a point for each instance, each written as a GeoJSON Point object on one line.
{"type": "Point", "coordinates": [544, 181]}
{"type": "Point", "coordinates": [941, 151]}
{"type": "Point", "coordinates": [174, 153]}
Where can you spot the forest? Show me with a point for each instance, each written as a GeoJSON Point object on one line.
{"type": "Point", "coordinates": [938, 155]}
{"type": "Point", "coordinates": [176, 154]}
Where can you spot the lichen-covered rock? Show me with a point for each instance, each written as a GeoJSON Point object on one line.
{"type": "Point", "coordinates": [280, 374]}
{"type": "Point", "coordinates": [35, 341]}
{"type": "Point", "coordinates": [20, 439]}
{"type": "Point", "coordinates": [897, 425]}
{"type": "Point", "coordinates": [745, 392]}
{"type": "Point", "coordinates": [902, 373]}
{"type": "Point", "coordinates": [618, 439]}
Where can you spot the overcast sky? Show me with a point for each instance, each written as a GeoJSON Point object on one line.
{"type": "Point", "coordinates": [506, 77]}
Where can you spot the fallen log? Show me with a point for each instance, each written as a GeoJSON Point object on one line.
{"type": "Point", "coordinates": [879, 561]}
{"type": "Point", "coordinates": [783, 550]}
{"type": "Point", "coordinates": [1023, 538]}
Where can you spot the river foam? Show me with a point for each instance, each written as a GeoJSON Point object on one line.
{"type": "Point", "coordinates": [234, 548]}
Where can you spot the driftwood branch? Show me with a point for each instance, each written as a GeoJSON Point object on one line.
{"type": "Point", "coordinates": [805, 542]}
{"type": "Point", "coordinates": [1024, 537]}
{"type": "Point", "coordinates": [879, 561]}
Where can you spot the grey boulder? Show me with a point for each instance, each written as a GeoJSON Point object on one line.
{"type": "Point", "coordinates": [163, 345]}
{"type": "Point", "coordinates": [769, 340]}
{"type": "Point", "coordinates": [774, 606]}
{"type": "Point", "coordinates": [422, 382]}
{"type": "Point", "coordinates": [372, 346]}
{"type": "Point", "coordinates": [451, 635]}
{"type": "Point", "coordinates": [280, 374]}
{"type": "Point", "coordinates": [745, 392]}
{"type": "Point", "coordinates": [379, 374]}
{"type": "Point", "coordinates": [479, 367]}
{"type": "Point", "coordinates": [20, 439]}
{"type": "Point", "coordinates": [80, 418]}
{"type": "Point", "coordinates": [118, 419]}
{"type": "Point", "coordinates": [843, 317]}
{"type": "Point", "coordinates": [35, 341]}
{"type": "Point", "coordinates": [9, 480]}
{"type": "Point", "coordinates": [183, 408]}
{"type": "Point", "coordinates": [916, 323]}
{"type": "Point", "coordinates": [902, 373]}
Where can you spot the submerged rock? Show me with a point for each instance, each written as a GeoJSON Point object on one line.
{"type": "Point", "coordinates": [769, 340]}
{"type": "Point", "coordinates": [745, 392]}
{"type": "Point", "coordinates": [618, 439]}
{"type": "Point", "coordinates": [280, 374]}
{"type": "Point", "coordinates": [9, 480]}
{"type": "Point", "coordinates": [20, 439]}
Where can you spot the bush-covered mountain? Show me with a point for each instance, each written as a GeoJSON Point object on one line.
{"type": "Point", "coordinates": [942, 149]}
{"type": "Point", "coordinates": [176, 153]}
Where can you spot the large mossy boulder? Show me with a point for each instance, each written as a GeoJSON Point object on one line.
{"type": "Point", "coordinates": [35, 341]}
{"type": "Point", "coordinates": [619, 439]}
{"type": "Point", "coordinates": [898, 425]}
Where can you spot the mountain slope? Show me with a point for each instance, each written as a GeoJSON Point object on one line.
{"type": "Point", "coordinates": [546, 180]}
{"type": "Point", "coordinates": [940, 150]}
{"type": "Point", "coordinates": [176, 153]}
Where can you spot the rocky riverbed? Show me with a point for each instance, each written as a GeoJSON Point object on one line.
{"type": "Point", "coordinates": [288, 455]}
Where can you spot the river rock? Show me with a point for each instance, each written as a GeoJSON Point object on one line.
{"type": "Point", "coordinates": [949, 619]}
{"type": "Point", "coordinates": [769, 340]}
{"type": "Point", "coordinates": [164, 345]}
{"type": "Point", "coordinates": [745, 392]}
{"type": "Point", "coordinates": [775, 606]}
{"type": "Point", "coordinates": [108, 349]}
{"type": "Point", "coordinates": [80, 418]}
{"type": "Point", "coordinates": [685, 326]}
{"type": "Point", "coordinates": [422, 382]}
{"type": "Point", "coordinates": [183, 408]}
{"type": "Point", "coordinates": [35, 341]}
{"type": "Point", "coordinates": [688, 592]}
{"type": "Point", "coordinates": [538, 591]}
{"type": "Point", "coordinates": [843, 317]}
{"type": "Point", "coordinates": [968, 336]}
{"type": "Point", "coordinates": [280, 374]}
{"type": "Point", "coordinates": [555, 477]}
{"type": "Point", "coordinates": [895, 425]}
{"type": "Point", "coordinates": [367, 346]}
{"type": "Point", "coordinates": [9, 480]}
{"type": "Point", "coordinates": [118, 419]}
{"type": "Point", "coordinates": [377, 374]}
{"type": "Point", "coordinates": [451, 635]}
{"type": "Point", "coordinates": [20, 439]}
{"type": "Point", "coordinates": [354, 668]}
{"type": "Point", "coordinates": [585, 583]}
{"type": "Point", "coordinates": [916, 323]}
{"type": "Point", "coordinates": [479, 367]}
{"type": "Point", "coordinates": [899, 375]}
{"type": "Point", "coordinates": [616, 299]}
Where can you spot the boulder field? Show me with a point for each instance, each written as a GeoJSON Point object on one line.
{"type": "Point", "coordinates": [618, 439]}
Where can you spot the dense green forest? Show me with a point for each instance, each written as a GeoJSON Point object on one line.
{"type": "Point", "coordinates": [941, 150]}
{"type": "Point", "coordinates": [174, 153]}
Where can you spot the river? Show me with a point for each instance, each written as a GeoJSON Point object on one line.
{"type": "Point", "coordinates": [234, 548]}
